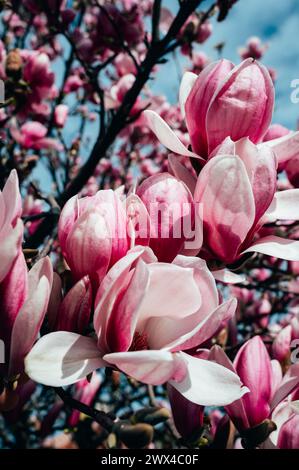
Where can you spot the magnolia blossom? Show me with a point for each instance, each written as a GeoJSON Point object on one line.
{"type": "Point", "coordinates": [171, 212]}
{"type": "Point", "coordinates": [24, 301]}
{"type": "Point", "coordinates": [254, 48]}
{"type": "Point", "coordinates": [286, 418]}
{"type": "Point", "coordinates": [61, 114]}
{"type": "Point", "coordinates": [263, 377]}
{"type": "Point", "coordinates": [32, 135]}
{"type": "Point", "coordinates": [237, 188]}
{"type": "Point", "coordinates": [146, 315]}
{"type": "Point", "coordinates": [11, 226]}
{"type": "Point", "coordinates": [225, 101]}
{"type": "Point", "coordinates": [92, 233]}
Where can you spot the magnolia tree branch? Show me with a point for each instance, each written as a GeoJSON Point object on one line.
{"type": "Point", "coordinates": [99, 416]}
{"type": "Point", "coordinates": [156, 51]}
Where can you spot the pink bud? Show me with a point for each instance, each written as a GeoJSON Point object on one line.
{"type": "Point", "coordinates": [74, 311]}
{"type": "Point", "coordinates": [187, 416]}
{"type": "Point", "coordinates": [253, 366]}
{"type": "Point", "coordinates": [60, 115]}
{"type": "Point", "coordinates": [281, 347]}
{"type": "Point", "coordinates": [289, 433]}
{"type": "Point", "coordinates": [204, 32]}
{"type": "Point", "coordinates": [92, 234]}
{"type": "Point", "coordinates": [171, 210]}
{"type": "Point", "coordinates": [68, 16]}
{"type": "Point", "coordinates": [73, 83]}
{"type": "Point", "coordinates": [229, 101]}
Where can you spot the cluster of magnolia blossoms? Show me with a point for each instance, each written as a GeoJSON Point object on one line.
{"type": "Point", "coordinates": [155, 302]}
{"type": "Point", "coordinates": [24, 295]}
{"type": "Point", "coordinates": [228, 111]}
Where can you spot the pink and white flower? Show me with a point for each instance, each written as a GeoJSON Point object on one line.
{"type": "Point", "coordinates": [147, 314]}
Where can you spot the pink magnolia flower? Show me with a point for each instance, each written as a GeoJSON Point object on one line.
{"type": "Point", "coordinates": [264, 379]}
{"type": "Point", "coordinates": [32, 135]}
{"type": "Point", "coordinates": [73, 83]}
{"type": "Point", "coordinates": [32, 206]}
{"type": "Point", "coordinates": [24, 299]}
{"type": "Point", "coordinates": [237, 190]}
{"type": "Point", "coordinates": [281, 347]}
{"type": "Point", "coordinates": [38, 74]}
{"type": "Point", "coordinates": [254, 48]}
{"type": "Point", "coordinates": [114, 97]}
{"type": "Point", "coordinates": [11, 226]}
{"type": "Point", "coordinates": [92, 233]}
{"type": "Point", "coordinates": [61, 114]}
{"type": "Point", "coordinates": [146, 315]}
{"type": "Point", "coordinates": [204, 32]}
{"type": "Point", "coordinates": [289, 433]}
{"type": "Point", "coordinates": [286, 418]}
{"type": "Point", "coordinates": [225, 101]}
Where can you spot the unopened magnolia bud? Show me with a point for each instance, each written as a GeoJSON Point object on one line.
{"type": "Point", "coordinates": [14, 64]}
{"type": "Point", "coordinates": [135, 436]}
{"type": "Point", "coordinates": [152, 415]}
{"type": "Point", "coordinates": [253, 437]}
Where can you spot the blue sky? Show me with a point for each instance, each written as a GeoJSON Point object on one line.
{"type": "Point", "coordinates": [274, 21]}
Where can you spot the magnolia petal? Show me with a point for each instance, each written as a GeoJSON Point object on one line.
{"type": "Point", "coordinates": [286, 147]}
{"type": "Point", "coordinates": [186, 86]}
{"type": "Point", "coordinates": [228, 277]}
{"type": "Point", "coordinates": [123, 319]}
{"type": "Point", "coordinates": [285, 206]}
{"type": "Point", "coordinates": [29, 319]}
{"type": "Point", "coordinates": [150, 367]}
{"type": "Point", "coordinates": [172, 291]}
{"type": "Point", "coordinates": [261, 168]}
{"type": "Point", "coordinates": [54, 301]}
{"type": "Point", "coordinates": [62, 358]}
{"type": "Point", "coordinates": [138, 220]}
{"type": "Point", "coordinates": [166, 136]}
{"type": "Point", "coordinates": [208, 383]}
{"type": "Point", "coordinates": [295, 406]}
{"type": "Point", "coordinates": [12, 198]}
{"type": "Point", "coordinates": [289, 382]}
{"type": "Point", "coordinates": [207, 328]}
{"type": "Point", "coordinates": [68, 217]}
{"type": "Point", "coordinates": [109, 288]}
{"type": "Point", "coordinates": [235, 410]}
{"type": "Point", "coordinates": [253, 365]}
{"type": "Point", "coordinates": [224, 190]}
{"type": "Point", "coordinates": [181, 173]}
{"type": "Point", "coordinates": [11, 239]}
{"type": "Point", "coordinates": [276, 246]}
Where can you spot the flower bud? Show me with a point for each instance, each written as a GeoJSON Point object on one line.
{"type": "Point", "coordinates": [171, 210]}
